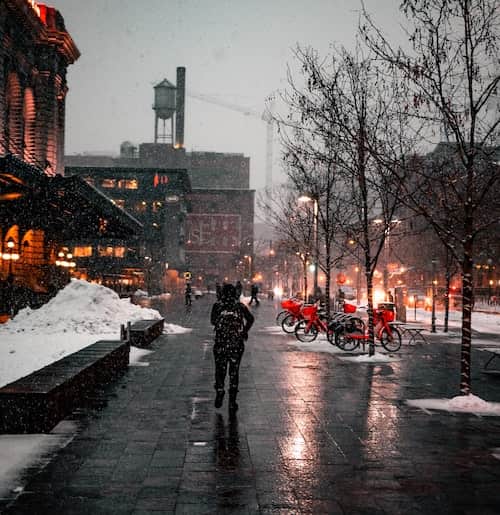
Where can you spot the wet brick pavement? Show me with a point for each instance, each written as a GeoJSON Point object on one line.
{"type": "Point", "coordinates": [314, 434]}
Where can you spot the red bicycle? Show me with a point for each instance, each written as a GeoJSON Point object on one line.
{"type": "Point", "coordinates": [385, 331]}
{"type": "Point", "coordinates": [293, 310]}
{"type": "Point", "coordinates": [315, 322]}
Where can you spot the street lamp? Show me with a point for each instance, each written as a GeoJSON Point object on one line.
{"type": "Point", "coordinates": [10, 256]}
{"type": "Point", "coordinates": [249, 258]}
{"type": "Point", "coordinates": [314, 200]}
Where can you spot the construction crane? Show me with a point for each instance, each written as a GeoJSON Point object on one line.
{"type": "Point", "coordinates": [266, 117]}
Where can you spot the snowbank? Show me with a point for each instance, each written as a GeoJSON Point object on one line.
{"type": "Point", "coordinates": [81, 307]}
{"type": "Point", "coordinates": [78, 316]}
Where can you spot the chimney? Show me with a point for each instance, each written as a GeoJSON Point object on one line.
{"type": "Point", "coordinates": [179, 111]}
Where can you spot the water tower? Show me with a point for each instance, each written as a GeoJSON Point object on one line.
{"type": "Point", "coordinates": [170, 100]}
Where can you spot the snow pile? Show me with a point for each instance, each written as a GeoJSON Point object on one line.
{"type": "Point", "coordinates": [378, 357]}
{"type": "Point", "coordinates": [462, 403]}
{"type": "Point", "coordinates": [81, 307]}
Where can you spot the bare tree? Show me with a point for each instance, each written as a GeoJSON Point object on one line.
{"type": "Point", "coordinates": [291, 222]}
{"type": "Point", "coordinates": [346, 115]}
{"type": "Point", "coordinates": [453, 72]}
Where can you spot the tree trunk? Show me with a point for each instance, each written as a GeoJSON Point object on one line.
{"type": "Point", "coordinates": [447, 301]}
{"type": "Point", "coordinates": [304, 271]}
{"type": "Point", "coordinates": [371, 331]}
{"type": "Point", "coordinates": [467, 304]}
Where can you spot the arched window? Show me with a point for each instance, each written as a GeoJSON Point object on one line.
{"type": "Point", "coordinates": [14, 122]}
{"type": "Point", "coordinates": [29, 115]}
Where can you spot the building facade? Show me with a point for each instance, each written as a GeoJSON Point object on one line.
{"type": "Point", "coordinates": [35, 52]}
{"type": "Point", "coordinates": [157, 198]}
{"type": "Point", "coordinates": [40, 210]}
{"type": "Point", "coordinates": [218, 228]}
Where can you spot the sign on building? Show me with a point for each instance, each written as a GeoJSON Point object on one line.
{"type": "Point", "coordinates": [208, 232]}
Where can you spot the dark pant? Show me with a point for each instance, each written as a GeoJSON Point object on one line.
{"type": "Point", "coordinates": [228, 354]}
{"type": "Point", "coordinates": [254, 298]}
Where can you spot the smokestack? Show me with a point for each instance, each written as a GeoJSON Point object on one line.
{"type": "Point", "coordinates": [179, 111]}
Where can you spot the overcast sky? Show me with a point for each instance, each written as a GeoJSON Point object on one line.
{"type": "Point", "coordinates": [233, 50]}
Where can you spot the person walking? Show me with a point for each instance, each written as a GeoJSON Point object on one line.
{"type": "Point", "coordinates": [231, 320]}
{"type": "Point", "coordinates": [188, 295]}
{"type": "Point", "coordinates": [254, 290]}
{"type": "Point", "coordinates": [218, 290]}
{"type": "Point", "coordinates": [239, 289]}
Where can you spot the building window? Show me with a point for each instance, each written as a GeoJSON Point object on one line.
{"type": "Point", "coordinates": [128, 184]}
{"type": "Point", "coordinates": [89, 180]}
{"type": "Point", "coordinates": [108, 183]}
{"type": "Point", "coordinates": [82, 251]}
{"type": "Point", "coordinates": [157, 206]}
{"type": "Point", "coordinates": [141, 207]}
{"type": "Point", "coordinates": [109, 251]}
{"type": "Point", "coordinates": [119, 202]}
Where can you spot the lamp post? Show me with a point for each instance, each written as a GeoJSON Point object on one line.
{"type": "Point", "coordinates": [249, 258]}
{"type": "Point", "coordinates": [314, 200]}
{"type": "Point", "coordinates": [10, 256]}
{"type": "Point", "coordinates": [433, 317]}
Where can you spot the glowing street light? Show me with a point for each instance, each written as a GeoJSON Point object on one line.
{"type": "Point", "coordinates": [10, 256]}
{"type": "Point", "coordinates": [306, 198]}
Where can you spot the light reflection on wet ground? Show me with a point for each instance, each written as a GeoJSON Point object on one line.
{"type": "Point", "coordinates": [313, 434]}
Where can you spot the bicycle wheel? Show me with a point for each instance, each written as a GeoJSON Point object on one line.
{"type": "Point", "coordinates": [355, 325]}
{"type": "Point", "coordinates": [344, 341]}
{"type": "Point", "coordinates": [288, 324]}
{"type": "Point", "coordinates": [281, 316]}
{"type": "Point", "coordinates": [305, 334]}
{"type": "Point", "coordinates": [391, 343]}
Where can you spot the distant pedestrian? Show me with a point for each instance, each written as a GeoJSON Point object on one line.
{"type": "Point", "coordinates": [253, 294]}
{"type": "Point", "coordinates": [239, 289]}
{"type": "Point", "coordinates": [218, 290]}
{"type": "Point", "coordinates": [231, 320]}
{"type": "Point", "coordinates": [188, 295]}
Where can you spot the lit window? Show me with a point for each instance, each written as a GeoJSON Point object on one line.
{"type": "Point", "coordinates": [105, 251]}
{"type": "Point", "coordinates": [157, 206]}
{"type": "Point", "coordinates": [109, 251]}
{"type": "Point", "coordinates": [141, 207]}
{"type": "Point", "coordinates": [108, 183]}
{"type": "Point", "coordinates": [119, 202]}
{"type": "Point", "coordinates": [128, 184]}
{"type": "Point", "coordinates": [82, 251]}
{"type": "Point", "coordinates": [89, 180]}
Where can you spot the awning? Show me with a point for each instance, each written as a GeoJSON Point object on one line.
{"type": "Point", "coordinates": [65, 207]}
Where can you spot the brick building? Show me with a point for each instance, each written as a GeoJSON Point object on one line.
{"type": "Point", "coordinates": [219, 224]}
{"type": "Point", "coordinates": [40, 210]}
{"type": "Point", "coordinates": [35, 51]}
{"type": "Point", "coordinates": [157, 198]}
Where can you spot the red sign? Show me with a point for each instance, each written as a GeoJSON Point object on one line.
{"type": "Point", "coordinates": [159, 179]}
{"type": "Point", "coordinates": [207, 232]}
{"type": "Point", "coordinates": [341, 278]}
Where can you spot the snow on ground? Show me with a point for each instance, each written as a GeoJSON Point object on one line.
{"type": "Point", "coordinates": [481, 322]}
{"type": "Point", "coordinates": [79, 315]}
{"type": "Point", "coordinates": [462, 403]}
{"type": "Point", "coordinates": [18, 452]}
{"type": "Point", "coordinates": [378, 357]}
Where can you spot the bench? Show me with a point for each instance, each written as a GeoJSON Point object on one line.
{"type": "Point", "coordinates": [414, 333]}
{"type": "Point", "coordinates": [495, 353]}
{"type": "Point", "coordinates": [143, 332]}
{"type": "Point", "coordinates": [37, 402]}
